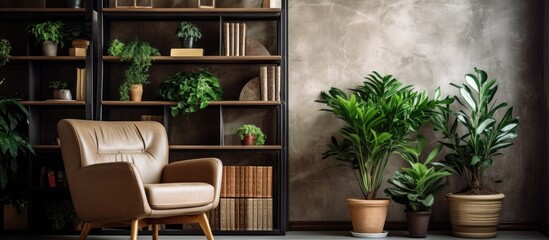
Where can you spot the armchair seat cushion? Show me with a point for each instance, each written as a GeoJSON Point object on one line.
{"type": "Point", "coordinates": [179, 195]}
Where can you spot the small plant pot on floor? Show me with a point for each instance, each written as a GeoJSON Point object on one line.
{"type": "Point", "coordinates": [418, 223]}
{"type": "Point", "coordinates": [368, 216]}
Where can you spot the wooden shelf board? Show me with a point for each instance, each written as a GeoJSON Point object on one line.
{"type": "Point", "coordinates": [47, 58]}
{"type": "Point", "coordinates": [224, 59]}
{"type": "Point", "coordinates": [172, 103]}
{"type": "Point", "coordinates": [191, 10]}
{"type": "Point", "coordinates": [42, 10]}
{"type": "Point", "coordinates": [46, 147]}
{"type": "Point", "coordinates": [225, 147]}
{"type": "Point", "coordinates": [54, 103]}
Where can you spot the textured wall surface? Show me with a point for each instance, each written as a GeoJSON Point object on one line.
{"type": "Point", "coordinates": [544, 188]}
{"type": "Point", "coordinates": [424, 43]}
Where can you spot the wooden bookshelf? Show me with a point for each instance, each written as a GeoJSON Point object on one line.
{"type": "Point", "coordinates": [47, 58]}
{"type": "Point", "coordinates": [53, 103]}
{"type": "Point", "coordinates": [225, 147]}
{"type": "Point", "coordinates": [207, 59]}
{"type": "Point", "coordinates": [173, 103]}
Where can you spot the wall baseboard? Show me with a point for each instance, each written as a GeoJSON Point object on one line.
{"type": "Point", "coordinates": [401, 225]}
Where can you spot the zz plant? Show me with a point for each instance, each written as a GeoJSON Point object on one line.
{"type": "Point", "coordinates": [139, 54]}
{"type": "Point", "coordinates": [416, 186]}
{"type": "Point", "coordinates": [474, 133]}
{"type": "Point", "coordinates": [191, 90]}
{"type": "Point", "coordinates": [379, 115]}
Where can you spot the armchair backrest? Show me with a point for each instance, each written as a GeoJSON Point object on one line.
{"type": "Point", "coordinates": [87, 142]}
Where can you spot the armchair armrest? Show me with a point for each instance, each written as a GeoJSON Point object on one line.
{"type": "Point", "coordinates": [108, 191]}
{"type": "Point", "coordinates": [206, 170]}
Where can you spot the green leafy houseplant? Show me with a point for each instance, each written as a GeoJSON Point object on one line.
{"type": "Point", "coordinates": [13, 144]}
{"type": "Point", "coordinates": [191, 90]}
{"type": "Point", "coordinates": [139, 54]}
{"type": "Point", "coordinates": [378, 116]}
{"type": "Point", "coordinates": [416, 186]}
{"type": "Point", "coordinates": [58, 84]}
{"type": "Point", "coordinates": [5, 49]}
{"type": "Point", "coordinates": [474, 134]}
{"type": "Point", "coordinates": [248, 129]}
{"type": "Point", "coordinates": [47, 31]}
{"type": "Point", "coordinates": [188, 31]}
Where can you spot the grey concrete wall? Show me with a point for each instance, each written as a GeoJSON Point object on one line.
{"type": "Point", "coordinates": [424, 43]}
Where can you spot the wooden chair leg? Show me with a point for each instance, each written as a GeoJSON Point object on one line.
{"type": "Point", "coordinates": [86, 228]}
{"type": "Point", "coordinates": [155, 232]}
{"type": "Point", "coordinates": [135, 228]}
{"type": "Point", "coordinates": [205, 225]}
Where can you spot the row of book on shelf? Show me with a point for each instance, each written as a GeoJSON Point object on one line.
{"type": "Point", "coordinates": [234, 39]}
{"type": "Point", "coordinates": [247, 181]}
{"type": "Point", "coordinates": [242, 214]}
{"type": "Point", "coordinates": [269, 82]}
{"type": "Point", "coordinates": [52, 178]}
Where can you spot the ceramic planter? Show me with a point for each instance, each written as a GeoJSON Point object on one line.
{"type": "Point", "coordinates": [248, 140]}
{"type": "Point", "coordinates": [368, 216]}
{"type": "Point", "coordinates": [136, 92]}
{"type": "Point", "coordinates": [74, 3]}
{"type": "Point", "coordinates": [49, 48]}
{"type": "Point", "coordinates": [14, 221]}
{"type": "Point", "coordinates": [187, 42]}
{"type": "Point", "coordinates": [474, 216]}
{"type": "Point", "coordinates": [418, 223]}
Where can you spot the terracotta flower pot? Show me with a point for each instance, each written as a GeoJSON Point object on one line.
{"type": "Point", "coordinates": [368, 216]}
{"type": "Point", "coordinates": [474, 216]}
{"type": "Point", "coordinates": [418, 223]}
{"type": "Point", "coordinates": [136, 92]}
{"type": "Point", "coordinates": [248, 140]}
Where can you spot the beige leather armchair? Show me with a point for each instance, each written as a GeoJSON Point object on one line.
{"type": "Point", "coordinates": [118, 175]}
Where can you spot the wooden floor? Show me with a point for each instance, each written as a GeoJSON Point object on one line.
{"type": "Point", "coordinates": [515, 235]}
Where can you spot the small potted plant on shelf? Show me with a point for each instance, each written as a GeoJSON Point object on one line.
{"type": "Point", "coordinates": [139, 54]}
{"type": "Point", "coordinates": [5, 49]}
{"type": "Point", "coordinates": [250, 135]}
{"type": "Point", "coordinates": [416, 186]}
{"type": "Point", "coordinates": [13, 146]}
{"type": "Point", "coordinates": [188, 33]}
{"type": "Point", "coordinates": [49, 34]}
{"type": "Point", "coordinates": [74, 3]}
{"type": "Point", "coordinates": [379, 116]}
{"type": "Point", "coordinates": [192, 91]}
{"type": "Point", "coordinates": [475, 135]}
{"type": "Point", "coordinates": [60, 89]}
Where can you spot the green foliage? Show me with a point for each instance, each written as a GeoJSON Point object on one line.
{"type": "Point", "coordinates": [378, 117]}
{"type": "Point", "coordinates": [13, 144]}
{"type": "Point", "coordinates": [61, 214]}
{"type": "Point", "coordinates": [58, 84]}
{"type": "Point", "coordinates": [139, 54]}
{"type": "Point", "coordinates": [47, 31]}
{"type": "Point", "coordinates": [5, 49]}
{"type": "Point", "coordinates": [191, 90]}
{"type": "Point", "coordinates": [187, 30]}
{"type": "Point", "coordinates": [473, 133]}
{"type": "Point", "coordinates": [416, 186]}
{"type": "Point", "coordinates": [248, 129]}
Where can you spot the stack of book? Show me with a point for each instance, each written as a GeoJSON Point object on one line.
{"type": "Point", "coordinates": [80, 84]}
{"type": "Point", "coordinates": [269, 82]}
{"type": "Point", "coordinates": [234, 39]}
{"type": "Point", "coordinates": [52, 178]}
{"type": "Point", "coordinates": [246, 200]}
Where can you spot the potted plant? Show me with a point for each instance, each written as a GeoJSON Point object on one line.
{"type": "Point", "coordinates": [250, 135]}
{"type": "Point", "coordinates": [416, 186]}
{"type": "Point", "coordinates": [378, 117]}
{"type": "Point", "coordinates": [139, 54]}
{"type": "Point", "coordinates": [5, 49]}
{"type": "Point", "coordinates": [49, 34]}
{"type": "Point", "coordinates": [191, 90]}
{"type": "Point", "coordinates": [13, 146]}
{"type": "Point", "coordinates": [475, 135]}
{"type": "Point", "coordinates": [188, 33]}
{"type": "Point", "coordinates": [58, 86]}
{"type": "Point", "coordinates": [74, 3]}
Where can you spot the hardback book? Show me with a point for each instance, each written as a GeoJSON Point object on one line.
{"type": "Point", "coordinates": [226, 38]}
{"type": "Point", "coordinates": [232, 40]}
{"type": "Point", "coordinates": [278, 84]}
{"type": "Point", "coordinates": [231, 214]}
{"type": "Point", "coordinates": [77, 52]}
{"type": "Point", "coordinates": [224, 182]}
{"type": "Point", "coordinates": [269, 181]}
{"type": "Point", "coordinates": [237, 39]}
{"type": "Point", "coordinates": [187, 52]}
{"type": "Point", "coordinates": [232, 181]}
{"type": "Point", "coordinates": [249, 214]}
{"type": "Point", "coordinates": [260, 214]}
{"type": "Point", "coordinates": [269, 214]}
{"type": "Point", "coordinates": [255, 226]}
{"type": "Point", "coordinates": [259, 181]}
{"type": "Point", "coordinates": [223, 213]}
{"type": "Point", "coordinates": [242, 45]}
{"type": "Point", "coordinates": [272, 4]}
{"type": "Point", "coordinates": [237, 183]}
{"type": "Point", "coordinates": [263, 83]}
{"type": "Point", "coordinates": [60, 179]}
{"type": "Point", "coordinates": [51, 179]}
{"type": "Point", "coordinates": [271, 75]}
